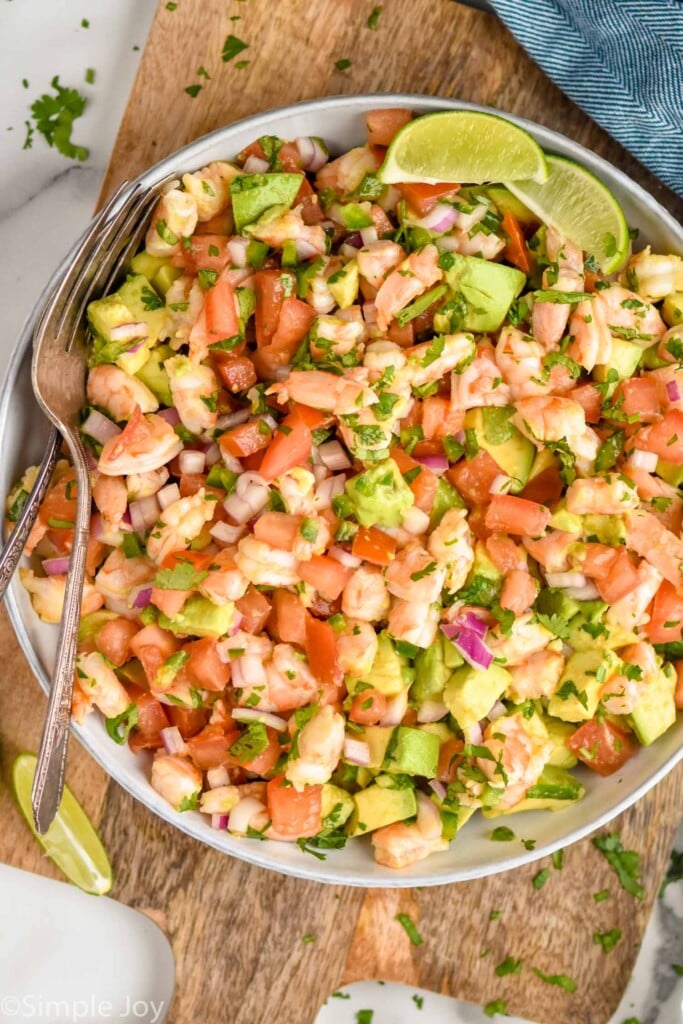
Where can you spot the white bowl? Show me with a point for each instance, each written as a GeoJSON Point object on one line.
{"type": "Point", "coordinates": [339, 120]}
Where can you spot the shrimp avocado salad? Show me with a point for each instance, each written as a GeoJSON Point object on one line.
{"type": "Point", "coordinates": [386, 521]}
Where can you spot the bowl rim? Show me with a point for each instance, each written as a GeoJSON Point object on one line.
{"type": "Point", "coordinates": [251, 853]}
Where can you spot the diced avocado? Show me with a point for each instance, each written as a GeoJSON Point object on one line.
{"type": "Point", "coordinates": [153, 374]}
{"type": "Point", "coordinates": [380, 496]}
{"type": "Point", "coordinates": [134, 302]}
{"type": "Point", "coordinates": [253, 194]}
{"type": "Point", "coordinates": [568, 522]}
{"type": "Point", "coordinates": [624, 358]}
{"type": "Point", "coordinates": [343, 285]}
{"type": "Point", "coordinates": [453, 821]}
{"type": "Point", "coordinates": [433, 667]}
{"type": "Point", "coordinates": [376, 807]}
{"type": "Point", "coordinates": [147, 265]}
{"type": "Point", "coordinates": [412, 752]}
{"type": "Point", "coordinates": [169, 670]}
{"type": "Point", "coordinates": [390, 672]}
{"type": "Point", "coordinates": [672, 309]}
{"type": "Point", "coordinates": [90, 625]}
{"type": "Point", "coordinates": [655, 711]}
{"type": "Point", "coordinates": [543, 460]}
{"type": "Point", "coordinates": [336, 805]}
{"type": "Point", "coordinates": [488, 288]}
{"type": "Point", "coordinates": [507, 203]}
{"type": "Point", "coordinates": [365, 776]}
{"type": "Point", "coordinates": [165, 276]}
{"type": "Point", "coordinates": [608, 529]}
{"type": "Point", "coordinates": [554, 789]}
{"type": "Point", "coordinates": [200, 617]}
{"type": "Point", "coordinates": [446, 497]}
{"type": "Point", "coordinates": [557, 602]}
{"type": "Point", "coordinates": [377, 738]}
{"type": "Point", "coordinates": [439, 729]}
{"type": "Point", "coordinates": [586, 627]}
{"type": "Point", "coordinates": [470, 693]}
{"type": "Point", "coordinates": [651, 361]}
{"type": "Point", "coordinates": [670, 473]}
{"type": "Point", "coordinates": [355, 216]}
{"type": "Point", "coordinates": [513, 452]}
{"type": "Point", "coordinates": [576, 698]}
{"type": "Point", "coordinates": [558, 733]}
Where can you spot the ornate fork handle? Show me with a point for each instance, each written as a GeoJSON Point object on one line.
{"type": "Point", "coordinates": [11, 553]}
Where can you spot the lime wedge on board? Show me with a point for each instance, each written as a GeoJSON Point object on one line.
{"type": "Point", "coordinates": [580, 208]}
{"type": "Point", "coordinates": [71, 842]}
{"type": "Point", "coordinates": [464, 146]}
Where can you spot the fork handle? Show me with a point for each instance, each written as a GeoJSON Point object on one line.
{"type": "Point", "coordinates": [12, 552]}
{"type": "Point", "coordinates": [48, 783]}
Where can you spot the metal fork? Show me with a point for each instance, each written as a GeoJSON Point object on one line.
{"type": "Point", "coordinates": [58, 374]}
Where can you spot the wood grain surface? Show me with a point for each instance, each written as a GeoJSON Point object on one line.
{"type": "Point", "coordinates": [237, 931]}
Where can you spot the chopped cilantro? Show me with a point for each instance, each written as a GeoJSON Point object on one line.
{"type": "Point", "coordinates": [150, 300]}
{"type": "Point", "coordinates": [607, 940]}
{"type": "Point", "coordinates": [419, 1000]}
{"type": "Point", "coordinates": [496, 1006]}
{"type": "Point", "coordinates": [232, 47]}
{"type": "Point", "coordinates": [193, 91]}
{"type": "Point", "coordinates": [411, 931]}
{"type": "Point", "coordinates": [189, 803]}
{"type": "Point", "coordinates": [54, 117]}
{"type": "Point", "coordinates": [365, 1016]}
{"type": "Point", "coordinates": [502, 834]}
{"type": "Point", "coordinates": [540, 878]}
{"type": "Point", "coordinates": [308, 938]}
{"type": "Point", "coordinates": [509, 966]}
{"type": "Point", "coordinates": [557, 858]}
{"type": "Point", "coordinates": [253, 741]}
{"type": "Point", "coordinates": [626, 863]}
{"type": "Point", "coordinates": [674, 871]}
{"type": "Point", "coordinates": [202, 72]}
{"type": "Point", "coordinates": [90, 76]}
{"type": "Point", "coordinates": [343, 64]}
{"type": "Point", "coordinates": [561, 980]}
{"type": "Point", "coordinates": [601, 896]}
{"type": "Point", "coordinates": [182, 576]}
{"type": "Point", "coordinates": [374, 17]}
{"type": "Point", "coordinates": [495, 914]}
{"type": "Point", "coordinates": [127, 720]}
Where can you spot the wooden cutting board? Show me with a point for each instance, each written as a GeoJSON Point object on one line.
{"type": "Point", "coordinates": [237, 931]}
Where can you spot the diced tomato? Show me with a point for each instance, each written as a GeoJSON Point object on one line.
{"type": "Point", "coordinates": [153, 646]}
{"type": "Point", "coordinates": [59, 504]}
{"type": "Point", "coordinates": [294, 815]}
{"type": "Point", "coordinates": [666, 615]}
{"type": "Point", "coordinates": [423, 483]}
{"type": "Point", "coordinates": [472, 478]}
{"type": "Point", "coordinates": [221, 311]}
{"type": "Point", "coordinates": [281, 321]}
{"type": "Point", "coordinates": [289, 158]}
{"type": "Point", "coordinates": [601, 746]}
{"type": "Point", "coordinates": [678, 695]}
{"type": "Point", "coordinates": [94, 555]}
{"type": "Point", "coordinates": [368, 707]}
{"type": "Point", "coordinates": [523, 518]}
{"type": "Point", "coordinates": [381, 222]}
{"type": "Point", "coordinates": [326, 575]}
{"type": "Point", "coordinates": [246, 438]}
{"type": "Point", "coordinates": [204, 667]}
{"type": "Point", "coordinates": [422, 198]}
{"type": "Point", "coordinates": [383, 124]}
{"type": "Point", "coordinates": [205, 252]}
{"type": "Point", "coordinates": [439, 419]}
{"type": "Point", "coordinates": [311, 210]}
{"type": "Point", "coordinates": [254, 608]}
{"type": "Point", "coordinates": [374, 546]}
{"type": "Point", "coordinates": [503, 552]}
{"type": "Point", "coordinates": [188, 721]}
{"type": "Point", "coordinates": [169, 602]}
{"type": "Point", "coordinates": [152, 719]}
{"type": "Point", "coordinates": [321, 647]}
{"type": "Point", "coordinates": [237, 373]}
{"type": "Point", "coordinates": [597, 560]}
{"type": "Point", "coordinates": [449, 759]}
{"type": "Point", "coordinates": [423, 448]}
{"type": "Point", "coordinates": [210, 748]}
{"type": "Point", "coordinates": [113, 640]}
{"type": "Point", "coordinates": [253, 149]}
{"type": "Point", "coordinates": [278, 529]}
{"type": "Point", "coordinates": [403, 336]}
{"type": "Point", "coordinates": [291, 446]}
{"type": "Point", "coordinates": [639, 397]}
{"type": "Point", "coordinates": [220, 224]}
{"type": "Point", "coordinates": [476, 521]}
{"type": "Point", "coordinates": [622, 579]}
{"type": "Point", "coordinates": [516, 251]}
{"type": "Point", "coordinates": [519, 591]}
{"type": "Point", "coordinates": [590, 399]}
{"type": "Point", "coordinates": [264, 762]}
{"type": "Point", "coordinates": [289, 618]}
{"type": "Point", "coordinates": [665, 438]}
{"type": "Point", "coordinates": [270, 295]}
{"type": "Point", "coordinates": [545, 487]}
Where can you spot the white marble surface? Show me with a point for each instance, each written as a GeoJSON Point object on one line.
{"type": "Point", "coordinates": [45, 201]}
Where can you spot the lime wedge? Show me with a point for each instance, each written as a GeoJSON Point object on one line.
{"type": "Point", "coordinates": [464, 146]}
{"type": "Point", "coordinates": [580, 208]}
{"type": "Point", "coordinates": [71, 842]}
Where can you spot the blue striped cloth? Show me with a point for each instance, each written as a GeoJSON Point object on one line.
{"type": "Point", "coordinates": [621, 61]}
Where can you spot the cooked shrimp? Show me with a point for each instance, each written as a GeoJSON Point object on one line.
{"type": "Point", "coordinates": [669, 381]}
{"type": "Point", "coordinates": [414, 575]}
{"type": "Point", "coordinates": [332, 336]}
{"type": "Point", "coordinates": [365, 596]}
{"type": "Point", "coordinates": [345, 174]}
{"type": "Point", "coordinates": [414, 621]}
{"type": "Point", "coordinates": [224, 582]}
{"type": "Point", "coordinates": [47, 595]}
{"type": "Point", "coordinates": [110, 494]}
{"type": "Point", "coordinates": [297, 489]}
{"type": "Point", "coordinates": [381, 356]}
{"type": "Point", "coordinates": [591, 338]}
{"type": "Point", "coordinates": [290, 683]}
{"type": "Point", "coordinates": [518, 758]}
{"type": "Point", "coordinates": [118, 392]}
{"type": "Point", "coordinates": [179, 524]}
{"type": "Point", "coordinates": [400, 845]}
{"type": "Point", "coordinates": [176, 779]}
{"type": "Point", "coordinates": [356, 648]}
{"type": "Point", "coordinates": [101, 684]}
{"type": "Point", "coordinates": [622, 691]}
{"type": "Point", "coordinates": [609, 495]}
{"type": "Point", "coordinates": [184, 302]}
{"type": "Point", "coordinates": [340, 395]}
{"type": "Point", "coordinates": [194, 389]}
{"type": "Point", "coordinates": [552, 551]}
{"type": "Point", "coordinates": [319, 743]}
{"type": "Point", "coordinates": [377, 260]}
{"type": "Point", "coordinates": [654, 276]}
{"type": "Point", "coordinates": [266, 566]}
{"type": "Point", "coordinates": [536, 677]}
{"type": "Point", "coordinates": [549, 319]}
{"type": "Point", "coordinates": [119, 579]}
{"type": "Point", "coordinates": [175, 217]}
{"type": "Point", "coordinates": [657, 545]}
{"type": "Point", "coordinates": [147, 443]}
{"type": "Point", "coordinates": [625, 310]}
{"type": "Point", "coordinates": [220, 800]}
{"type": "Point", "coordinates": [479, 383]}
{"type": "Point", "coordinates": [143, 485]}
{"type": "Point", "coordinates": [630, 612]}
{"type": "Point", "coordinates": [427, 363]}
{"type": "Point", "coordinates": [526, 637]}
{"type": "Point", "coordinates": [552, 419]}
{"type": "Point", "coordinates": [210, 188]}
{"type": "Point", "coordinates": [287, 227]}
{"type": "Point", "coordinates": [451, 544]}
{"type": "Point", "coordinates": [411, 278]}
{"type": "Point", "coordinates": [486, 245]}
{"type": "Point", "coordinates": [519, 591]}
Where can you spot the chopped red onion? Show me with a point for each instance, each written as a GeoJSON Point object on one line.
{"type": "Point", "coordinates": [172, 740]}
{"type": "Point", "coordinates": [437, 463]}
{"type": "Point", "coordinates": [469, 643]}
{"type": "Point", "coordinates": [237, 623]}
{"type": "Point", "coordinates": [415, 521]}
{"type": "Point", "coordinates": [558, 580]}
{"type": "Point", "coordinates": [217, 777]}
{"type": "Point", "coordinates": [312, 151]}
{"type": "Point", "coordinates": [255, 165]}
{"type": "Point", "coordinates": [354, 240]}
{"type": "Point", "coordinates": [97, 526]}
{"type": "Point", "coordinates": [56, 566]}
{"type": "Point", "coordinates": [243, 814]}
{"type": "Point", "coordinates": [396, 709]}
{"type": "Point", "coordinates": [441, 218]}
{"type": "Point", "coordinates": [460, 436]}
{"type": "Point", "coordinates": [370, 312]}
{"type": "Point", "coordinates": [171, 416]}
{"type": "Point", "coordinates": [135, 348]}
{"type": "Point", "coordinates": [431, 711]}
{"type": "Point", "coordinates": [470, 620]}
{"type": "Point", "coordinates": [639, 459]}
{"type": "Point", "coordinates": [233, 419]}
{"type": "Point", "coordinates": [250, 498]}
{"type": "Point", "coordinates": [99, 427]}
{"type": "Point", "coordinates": [219, 821]}
{"type": "Point", "coordinates": [265, 717]}
{"type": "Point", "coordinates": [129, 332]}
{"type": "Point", "coordinates": [369, 235]}
{"type": "Point", "coordinates": [306, 251]}
{"type": "Point", "coordinates": [438, 788]}
{"type": "Point", "coordinates": [345, 557]}
{"type": "Point", "coordinates": [334, 456]}
{"type": "Point", "coordinates": [144, 513]}
{"type": "Point", "coordinates": [237, 250]}
{"type": "Point", "coordinates": [212, 453]}
{"type": "Point", "coordinates": [328, 488]}
{"type": "Point", "coordinates": [673, 391]}
{"type": "Point", "coordinates": [231, 462]}
{"type": "Point", "coordinates": [191, 461]}
{"type": "Point", "coordinates": [167, 495]}
{"type": "Point", "coordinates": [356, 751]}
{"type": "Point", "coordinates": [142, 599]}
{"type": "Point", "coordinates": [474, 734]}
{"type": "Point", "coordinates": [224, 533]}
{"type": "Point", "coordinates": [501, 484]}
{"type": "Point", "coordinates": [589, 592]}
